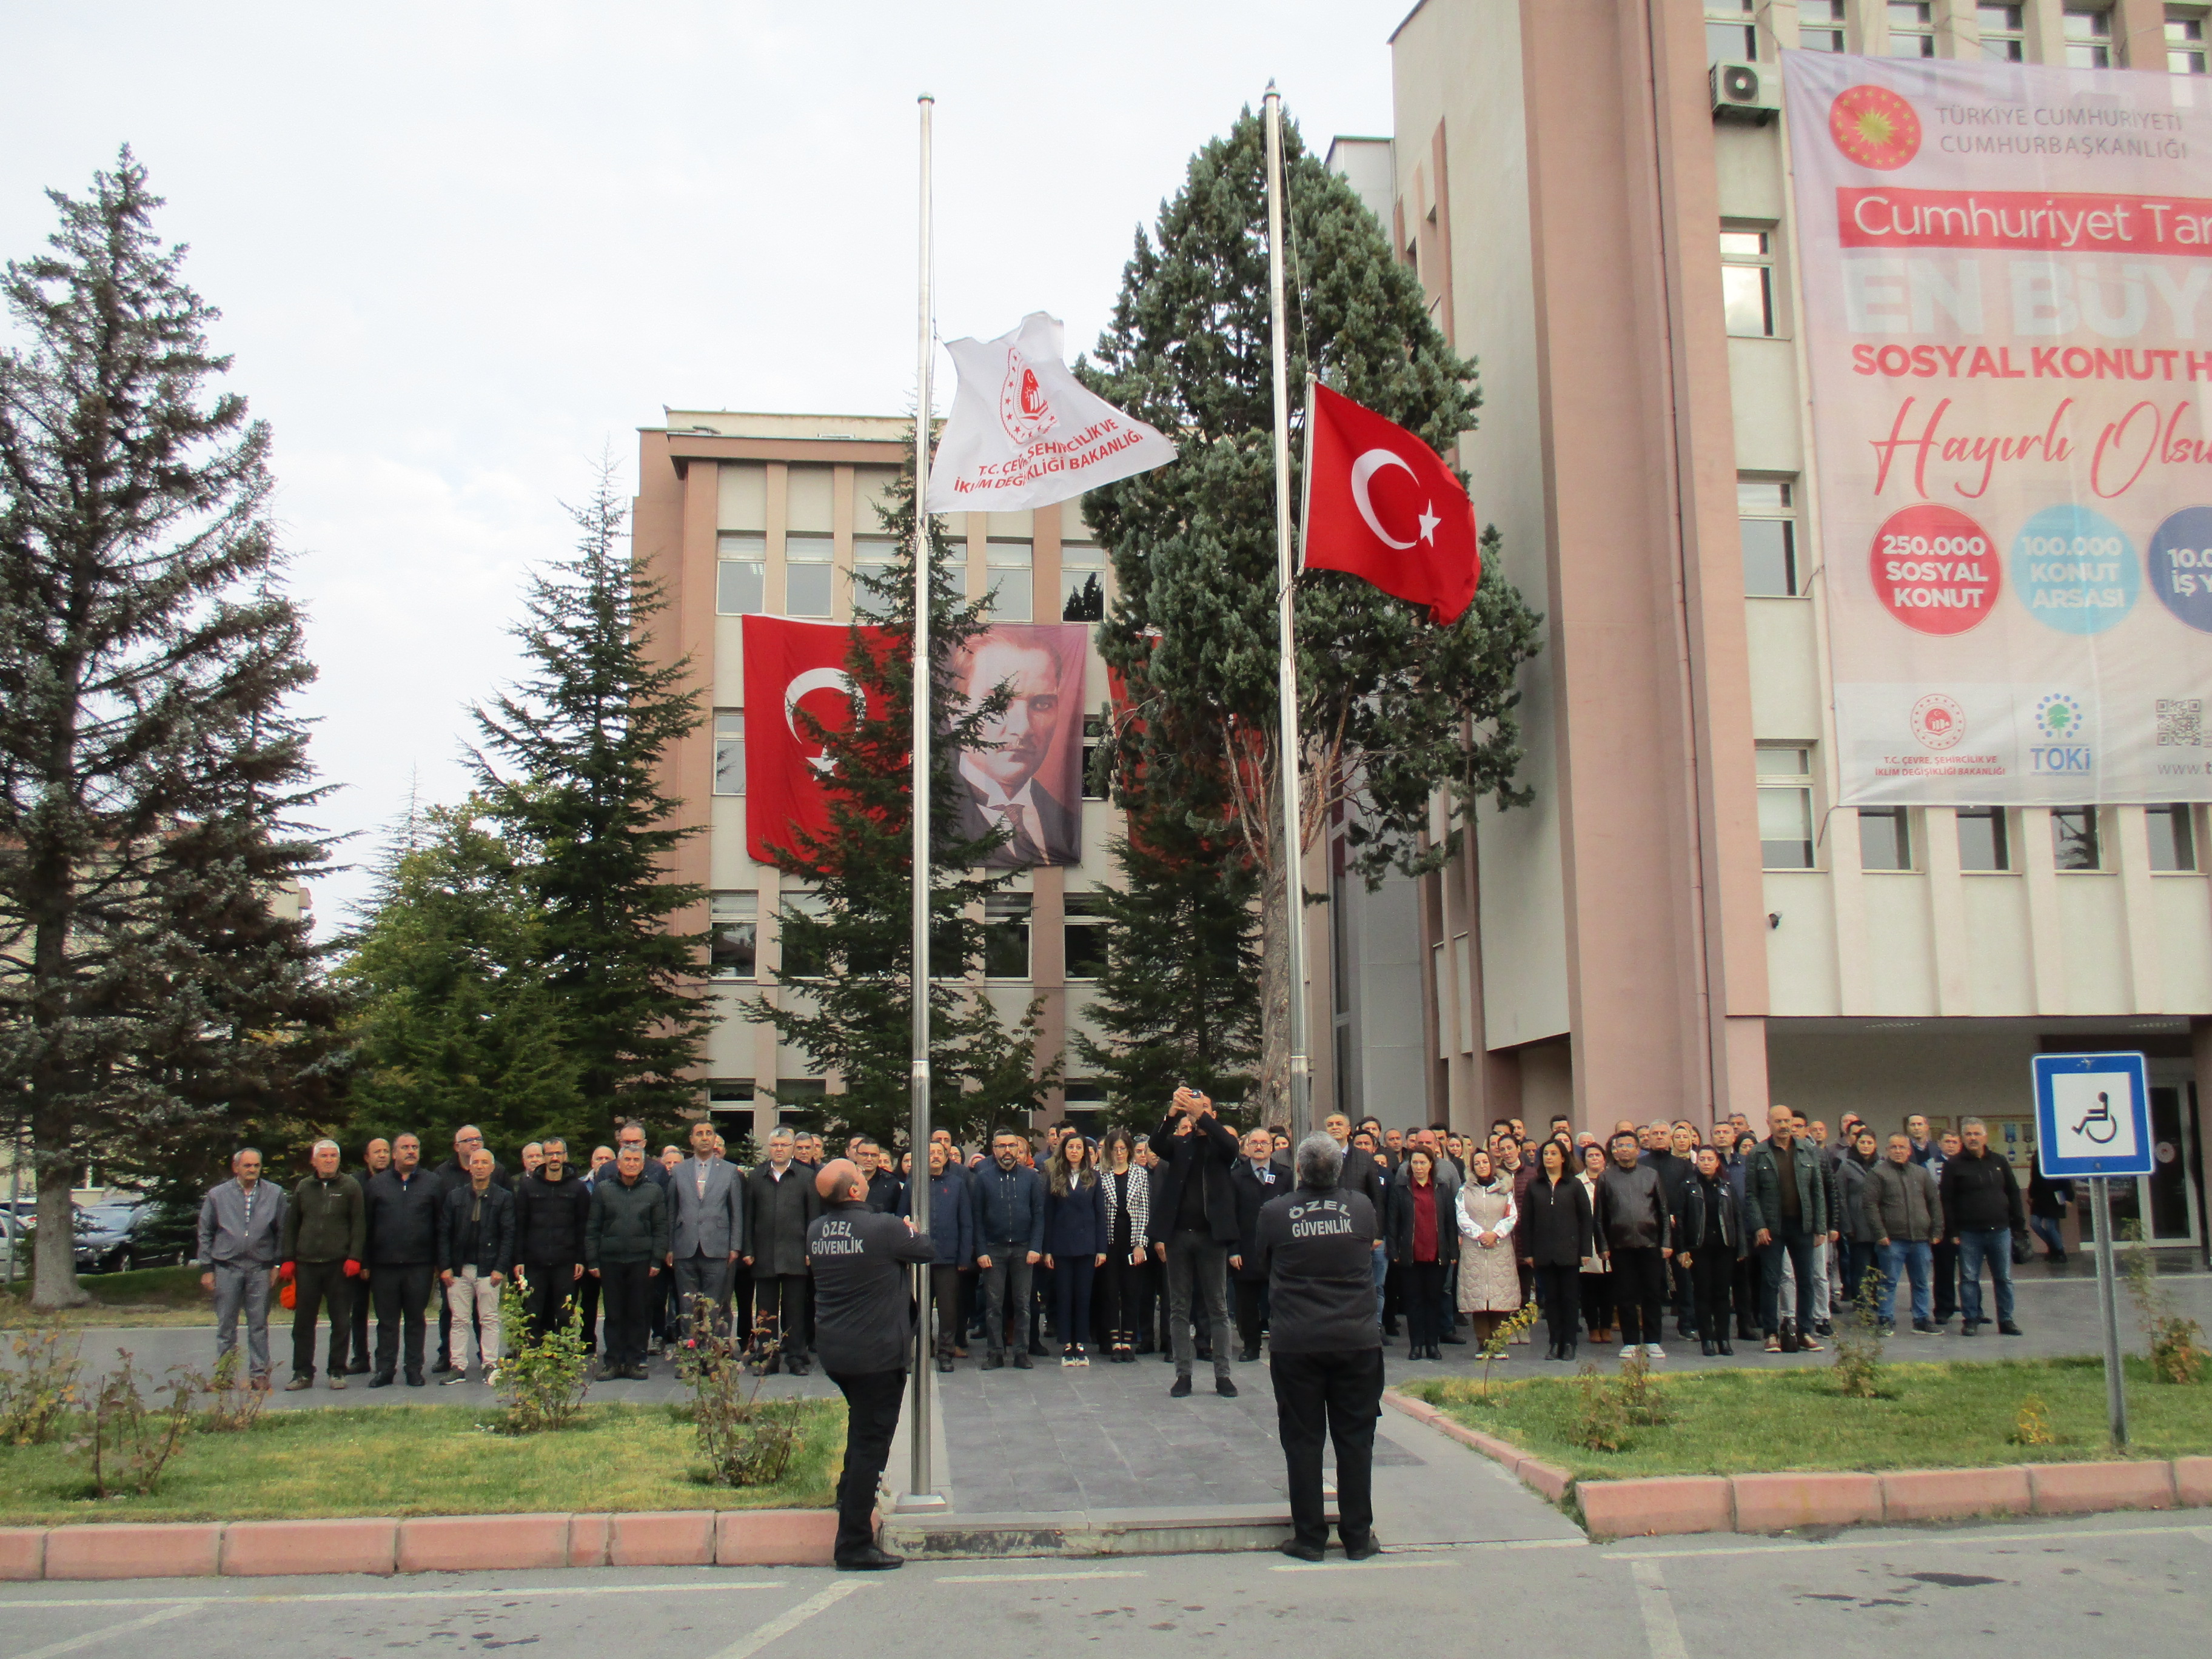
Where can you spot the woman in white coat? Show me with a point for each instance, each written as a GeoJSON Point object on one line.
{"type": "Point", "coordinates": [1489, 1280]}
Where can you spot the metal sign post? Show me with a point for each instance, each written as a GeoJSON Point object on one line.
{"type": "Point", "coordinates": [2092, 1122]}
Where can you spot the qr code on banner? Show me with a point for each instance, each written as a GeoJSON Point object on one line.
{"type": "Point", "coordinates": [2181, 722]}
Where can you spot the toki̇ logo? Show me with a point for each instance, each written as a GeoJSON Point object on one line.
{"type": "Point", "coordinates": [1024, 410]}
{"type": "Point", "coordinates": [1938, 721]}
{"type": "Point", "coordinates": [1875, 126]}
{"type": "Point", "coordinates": [2059, 723]}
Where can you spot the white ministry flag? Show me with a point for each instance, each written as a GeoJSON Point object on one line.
{"type": "Point", "coordinates": [1024, 433]}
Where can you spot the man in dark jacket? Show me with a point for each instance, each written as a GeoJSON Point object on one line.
{"type": "Point", "coordinates": [863, 1323]}
{"type": "Point", "coordinates": [1709, 1234]}
{"type": "Point", "coordinates": [952, 1231]}
{"type": "Point", "coordinates": [1785, 1214]}
{"type": "Point", "coordinates": [1363, 1175]}
{"type": "Point", "coordinates": [625, 1242]}
{"type": "Point", "coordinates": [1326, 1349]}
{"type": "Point", "coordinates": [1678, 1167]}
{"type": "Point", "coordinates": [376, 1159]}
{"type": "Point", "coordinates": [324, 1240]}
{"type": "Point", "coordinates": [1196, 1221]}
{"type": "Point", "coordinates": [1981, 1213]}
{"type": "Point", "coordinates": [551, 1205]}
{"type": "Point", "coordinates": [780, 1204]}
{"type": "Point", "coordinates": [1638, 1243]}
{"type": "Point", "coordinates": [476, 1257]}
{"type": "Point", "coordinates": [1256, 1177]}
{"type": "Point", "coordinates": [403, 1206]}
{"type": "Point", "coordinates": [1007, 1198]}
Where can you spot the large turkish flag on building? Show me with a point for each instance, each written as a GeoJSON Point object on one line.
{"type": "Point", "coordinates": [1382, 505]}
{"type": "Point", "coordinates": [792, 666]}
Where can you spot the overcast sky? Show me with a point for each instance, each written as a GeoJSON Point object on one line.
{"type": "Point", "coordinates": [462, 249]}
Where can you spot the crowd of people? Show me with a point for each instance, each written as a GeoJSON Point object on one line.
{"type": "Point", "coordinates": [1054, 1243]}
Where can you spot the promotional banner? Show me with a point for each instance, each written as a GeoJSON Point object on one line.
{"type": "Point", "coordinates": [1027, 775]}
{"type": "Point", "coordinates": [2006, 282]}
{"type": "Point", "coordinates": [1024, 432]}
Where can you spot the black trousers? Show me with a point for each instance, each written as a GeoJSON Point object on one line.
{"type": "Point", "coordinates": [1947, 1280]}
{"type": "Point", "coordinates": [872, 1400]}
{"type": "Point", "coordinates": [402, 1293]}
{"type": "Point", "coordinates": [1712, 1280]}
{"type": "Point", "coordinates": [1424, 1302]}
{"type": "Point", "coordinates": [1320, 1397]}
{"type": "Point", "coordinates": [357, 1327]}
{"type": "Point", "coordinates": [1561, 1291]}
{"type": "Point", "coordinates": [945, 1295]}
{"type": "Point", "coordinates": [552, 1288]}
{"type": "Point", "coordinates": [1597, 1299]}
{"type": "Point", "coordinates": [1251, 1307]}
{"type": "Point", "coordinates": [631, 1290]}
{"type": "Point", "coordinates": [314, 1284]}
{"type": "Point", "coordinates": [1640, 1287]}
{"type": "Point", "coordinates": [741, 1302]}
{"type": "Point", "coordinates": [1120, 1296]}
{"type": "Point", "coordinates": [587, 1293]}
{"type": "Point", "coordinates": [780, 1301]}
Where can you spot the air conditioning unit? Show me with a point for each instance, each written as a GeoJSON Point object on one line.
{"type": "Point", "coordinates": [1746, 92]}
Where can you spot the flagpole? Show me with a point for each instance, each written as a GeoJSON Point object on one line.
{"type": "Point", "coordinates": [1301, 1079]}
{"type": "Point", "coordinates": [921, 1485]}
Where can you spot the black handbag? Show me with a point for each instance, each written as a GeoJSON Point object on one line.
{"type": "Point", "coordinates": [2023, 1249]}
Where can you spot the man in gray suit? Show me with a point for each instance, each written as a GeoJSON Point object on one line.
{"type": "Point", "coordinates": [706, 1229]}
{"type": "Point", "coordinates": [242, 1226]}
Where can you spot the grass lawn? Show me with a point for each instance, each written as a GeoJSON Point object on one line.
{"type": "Point", "coordinates": [152, 1295]}
{"type": "Point", "coordinates": [1927, 1416]}
{"type": "Point", "coordinates": [422, 1459]}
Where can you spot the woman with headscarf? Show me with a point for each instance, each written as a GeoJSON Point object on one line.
{"type": "Point", "coordinates": [1489, 1268]}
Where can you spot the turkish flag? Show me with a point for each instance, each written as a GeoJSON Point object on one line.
{"type": "Point", "coordinates": [792, 666]}
{"type": "Point", "coordinates": [1380, 505]}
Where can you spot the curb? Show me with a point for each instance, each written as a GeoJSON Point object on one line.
{"type": "Point", "coordinates": [1786, 1501]}
{"type": "Point", "coordinates": [445, 1543]}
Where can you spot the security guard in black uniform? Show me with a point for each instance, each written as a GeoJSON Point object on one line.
{"type": "Point", "coordinates": [1326, 1352]}
{"type": "Point", "coordinates": [863, 1325]}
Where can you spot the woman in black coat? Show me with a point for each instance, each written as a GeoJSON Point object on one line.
{"type": "Point", "coordinates": [1422, 1236]}
{"type": "Point", "coordinates": [1555, 1229]}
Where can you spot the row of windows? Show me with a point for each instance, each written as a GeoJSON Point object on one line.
{"type": "Point", "coordinates": [730, 751]}
{"type": "Point", "coordinates": [2087, 28]}
{"type": "Point", "coordinates": [1986, 834]}
{"type": "Point", "coordinates": [733, 922]}
{"type": "Point", "coordinates": [741, 576]}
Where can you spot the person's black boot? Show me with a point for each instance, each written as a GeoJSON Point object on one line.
{"type": "Point", "coordinates": [870, 1559]}
{"type": "Point", "coordinates": [1727, 1353]}
{"type": "Point", "coordinates": [1705, 1346]}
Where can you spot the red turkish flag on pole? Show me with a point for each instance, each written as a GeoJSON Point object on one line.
{"type": "Point", "coordinates": [792, 666]}
{"type": "Point", "coordinates": [1380, 505]}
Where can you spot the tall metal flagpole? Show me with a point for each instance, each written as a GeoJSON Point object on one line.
{"type": "Point", "coordinates": [1301, 1082]}
{"type": "Point", "coordinates": [921, 1486]}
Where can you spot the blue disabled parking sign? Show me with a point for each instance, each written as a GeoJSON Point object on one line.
{"type": "Point", "coordinates": [2091, 1116]}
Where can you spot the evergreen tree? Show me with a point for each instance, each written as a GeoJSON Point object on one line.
{"type": "Point", "coordinates": [455, 1022]}
{"type": "Point", "coordinates": [583, 739]}
{"type": "Point", "coordinates": [151, 998]}
{"type": "Point", "coordinates": [846, 970]}
{"type": "Point", "coordinates": [1392, 709]}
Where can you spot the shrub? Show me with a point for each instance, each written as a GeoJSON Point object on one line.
{"type": "Point", "coordinates": [543, 1380]}
{"type": "Point", "coordinates": [2176, 1343]}
{"type": "Point", "coordinates": [40, 1387]}
{"type": "Point", "coordinates": [1598, 1421]}
{"type": "Point", "coordinates": [127, 1442]}
{"type": "Point", "coordinates": [2032, 1424]}
{"type": "Point", "coordinates": [1859, 1343]}
{"type": "Point", "coordinates": [746, 1440]}
{"type": "Point", "coordinates": [1494, 1346]}
{"type": "Point", "coordinates": [1642, 1400]}
{"type": "Point", "coordinates": [234, 1403]}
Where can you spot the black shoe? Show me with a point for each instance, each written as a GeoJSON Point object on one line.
{"type": "Point", "coordinates": [1970, 1328]}
{"type": "Point", "coordinates": [1203, 1350]}
{"type": "Point", "coordinates": [2057, 1258]}
{"type": "Point", "coordinates": [1706, 1347]}
{"type": "Point", "coordinates": [359, 1368]}
{"type": "Point", "coordinates": [1038, 1351]}
{"type": "Point", "coordinates": [1023, 1363]}
{"type": "Point", "coordinates": [1822, 1327]}
{"type": "Point", "coordinates": [1456, 1342]}
{"type": "Point", "coordinates": [944, 1365]}
{"type": "Point", "coordinates": [414, 1379]}
{"type": "Point", "coordinates": [1224, 1388]}
{"type": "Point", "coordinates": [2006, 1327]}
{"type": "Point", "coordinates": [1726, 1351]}
{"type": "Point", "coordinates": [637, 1373]}
{"type": "Point", "coordinates": [1298, 1551]}
{"type": "Point", "coordinates": [443, 1365]}
{"type": "Point", "coordinates": [1390, 1328]}
{"type": "Point", "coordinates": [1572, 1347]}
{"type": "Point", "coordinates": [381, 1380]}
{"type": "Point", "coordinates": [799, 1367]}
{"type": "Point", "coordinates": [1366, 1547]}
{"type": "Point", "coordinates": [1181, 1390]}
{"type": "Point", "coordinates": [992, 1362]}
{"type": "Point", "coordinates": [870, 1559]}
{"type": "Point", "coordinates": [1249, 1355]}
{"type": "Point", "coordinates": [1682, 1330]}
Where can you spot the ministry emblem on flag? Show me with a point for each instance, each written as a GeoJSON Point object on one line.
{"type": "Point", "coordinates": [1024, 410]}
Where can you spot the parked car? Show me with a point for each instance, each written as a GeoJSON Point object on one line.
{"type": "Point", "coordinates": [121, 1235]}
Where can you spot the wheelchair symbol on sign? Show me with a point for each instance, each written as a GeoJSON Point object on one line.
{"type": "Point", "coordinates": [2098, 1123]}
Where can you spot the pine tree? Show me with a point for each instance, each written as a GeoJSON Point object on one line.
{"type": "Point", "coordinates": [151, 998]}
{"type": "Point", "coordinates": [582, 740]}
{"type": "Point", "coordinates": [845, 972]}
{"type": "Point", "coordinates": [455, 1021]}
{"type": "Point", "coordinates": [1392, 709]}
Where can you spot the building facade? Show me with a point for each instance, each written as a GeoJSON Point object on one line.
{"type": "Point", "coordinates": [1684, 923]}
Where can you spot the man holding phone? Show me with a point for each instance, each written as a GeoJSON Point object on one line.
{"type": "Point", "coordinates": [1197, 1213]}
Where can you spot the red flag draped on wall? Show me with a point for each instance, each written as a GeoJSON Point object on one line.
{"type": "Point", "coordinates": [1382, 505]}
{"type": "Point", "coordinates": [792, 666]}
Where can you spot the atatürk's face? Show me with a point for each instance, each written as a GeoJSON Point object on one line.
{"type": "Point", "coordinates": [1024, 732]}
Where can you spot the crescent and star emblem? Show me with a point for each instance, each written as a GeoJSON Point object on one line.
{"type": "Point", "coordinates": [815, 679]}
{"type": "Point", "coordinates": [1362, 472]}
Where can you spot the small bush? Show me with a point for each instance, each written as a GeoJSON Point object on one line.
{"type": "Point", "coordinates": [1641, 1397]}
{"type": "Point", "coordinates": [127, 1442]}
{"type": "Point", "coordinates": [40, 1386]}
{"type": "Point", "coordinates": [2032, 1424]}
{"type": "Point", "coordinates": [1859, 1343]}
{"type": "Point", "coordinates": [542, 1380]}
{"type": "Point", "coordinates": [2176, 1343]}
{"type": "Point", "coordinates": [746, 1440]}
{"type": "Point", "coordinates": [234, 1403]}
{"type": "Point", "coordinates": [1494, 1346]}
{"type": "Point", "coordinates": [1598, 1420]}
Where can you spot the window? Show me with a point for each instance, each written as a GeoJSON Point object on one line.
{"type": "Point", "coordinates": [800, 960]}
{"type": "Point", "coordinates": [1820, 25]}
{"type": "Point", "coordinates": [1765, 509]}
{"type": "Point", "coordinates": [1983, 842]}
{"type": "Point", "coordinates": [1885, 838]}
{"type": "Point", "coordinates": [1730, 35]}
{"type": "Point", "coordinates": [873, 555]}
{"type": "Point", "coordinates": [2184, 42]}
{"type": "Point", "coordinates": [1094, 738]}
{"type": "Point", "coordinates": [2172, 836]}
{"type": "Point", "coordinates": [2089, 38]}
{"type": "Point", "coordinates": [1006, 567]}
{"type": "Point", "coordinates": [729, 751]}
{"type": "Point", "coordinates": [2074, 837]}
{"type": "Point", "coordinates": [1082, 582]}
{"type": "Point", "coordinates": [740, 574]}
{"type": "Point", "coordinates": [797, 1099]}
{"type": "Point", "coordinates": [1006, 936]}
{"type": "Point", "coordinates": [1085, 936]}
{"type": "Point", "coordinates": [1785, 809]}
{"type": "Point", "coordinates": [2004, 40]}
{"type": "Point", "coordinates": [1911, 29]}
{"type": "Point", "coordinates": [806, 563]}
{"type": "Point", "coordinates": [732, 1100]}
{"type": "Point", "coordinates": [733, 929]}
{"type": "Point", "coordinates": [956, 565]}
{"type": "Point", "coordinates": [1748, 281]}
